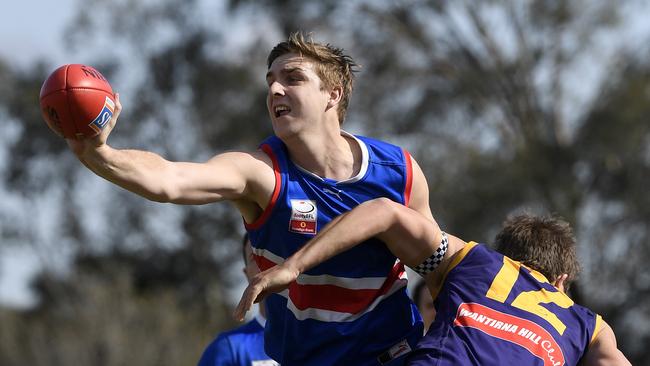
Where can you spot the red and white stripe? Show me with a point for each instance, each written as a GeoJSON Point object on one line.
{"type": "Point", "coordinates": [332, 298]}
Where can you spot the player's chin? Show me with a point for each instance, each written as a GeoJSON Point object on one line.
{"type": "Point", "coordinates": [284, 127]}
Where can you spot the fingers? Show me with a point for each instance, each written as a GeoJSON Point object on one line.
{"type": "Point", "coordinates": [246, 302]}
{"type": "Point", "coordinates": [270, 281]}
{"type": "Point", "coordinates": [117, 111]}
{"type": "Point", "coordinates": [118, 105]}
{"type": "Point", "coordinates": [240, 311]}
{"type": "Point", "coordinates": [103, 135]}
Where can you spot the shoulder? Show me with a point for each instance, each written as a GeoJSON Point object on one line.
{"type": "Point", "coordinates": [257, 157]}
{"type": "Point", "coordinates": [603, 350]}
{"type": "Point", "coordinates": [218, 352]}
{"type": "Point", "coordinates": [238, 336]}
{"type": "Point", "coordinates": [462, 253]}
{"type": "Point", "coordinates": [376, 142]}
{"type": "Point", "coordinates": [480, 255]}
{"type": "Point", "coordinates": [382, 150]}
{"type": "Point", "coordinates": [255, 167]}
{"type": "Point", "coordinates": [223, 349]}
{"type": "Point", "coordinates": [250, 327]}
{"type": "Point", "coordinates": [418, 198]}
{"type": "Point", "coordinates": [260, 156]}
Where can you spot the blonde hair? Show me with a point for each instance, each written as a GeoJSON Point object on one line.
{"type": "Point", "coordinates": [333, 66]}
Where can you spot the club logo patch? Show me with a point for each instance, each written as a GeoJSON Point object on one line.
{"type": "Point", "coordinates": [104, 116]}
{"type": "Point", "coordinates": [303, 216]}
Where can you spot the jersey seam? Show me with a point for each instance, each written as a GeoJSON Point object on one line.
{"type": "Point", "coordinates": [277, 191]}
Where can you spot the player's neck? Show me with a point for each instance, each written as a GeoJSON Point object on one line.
{"type": "Point", "coordinates": [327, 154]}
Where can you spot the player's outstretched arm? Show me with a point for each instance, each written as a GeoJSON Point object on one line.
{"type": "Point", "coordinates": [409, 235]}
{"type": "Point", "coordinates": [603, 351]}
{"type": "Point", "coordinates": [227, 176]}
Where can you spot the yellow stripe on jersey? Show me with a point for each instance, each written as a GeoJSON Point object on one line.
{"type": "Point", "coordinates": [537, 275]}
{"type": "Point", "coordinates": [435, 282]}
{"type": "Point", "coordinates": [597, 328]}
{"type": "Point", "coordinates": [531, 301]}
{"type": "Point", "coordinates": [504, 280]}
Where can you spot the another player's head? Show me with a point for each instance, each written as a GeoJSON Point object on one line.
{"type": "Point", "coordinates": [333, 68]}
{"type": "Point", "coordinates": [423, 300]}
{"type": "Point", "coordinates": [543, 243]}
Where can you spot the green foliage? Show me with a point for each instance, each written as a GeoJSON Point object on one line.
{"type": "Point", "coordinates": [119, 309]}
{"type": "Point", "coordinates": [488, 96]}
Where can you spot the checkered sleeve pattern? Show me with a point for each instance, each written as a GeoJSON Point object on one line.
{"type": "Point", "coordinates": [434, 260]}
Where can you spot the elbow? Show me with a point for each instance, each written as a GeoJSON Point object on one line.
{"type": "Point", "coordinates": [160, 195]}
{"type": "Point", "coordinates": [385, 213]}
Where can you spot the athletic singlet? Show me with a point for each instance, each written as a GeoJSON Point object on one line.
{"type": "Point", "coordinates": [492, 310]}
{"type": "Point", "coordinates": [352, 309]}
{"type": "Point", "coordinates": [243, 346]}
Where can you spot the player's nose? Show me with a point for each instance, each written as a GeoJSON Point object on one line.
{"type": "Point", "coordinates": [276, 88]}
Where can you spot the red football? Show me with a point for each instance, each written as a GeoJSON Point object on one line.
{"type": "Point", "coordinates": [77, 101]}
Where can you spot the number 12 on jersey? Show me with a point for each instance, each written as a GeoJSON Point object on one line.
{"type": "Point", "coordinates": [529, 301]}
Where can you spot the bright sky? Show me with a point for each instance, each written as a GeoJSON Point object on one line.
{"type": "Point", "coordinates": [32, 30]}
{"type": "Point", "coordinates": [29, 30]}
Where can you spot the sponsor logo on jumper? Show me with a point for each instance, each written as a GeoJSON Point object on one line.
{"type": "Point", "coordinates": [399, 349]}
{"type": "Point", "coordinates": [525, 333]}
{"type": "Point", "coordinates": [304, 215]}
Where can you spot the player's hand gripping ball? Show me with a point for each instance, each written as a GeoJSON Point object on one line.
{"type": "Point", "coordinates": [77, 101]}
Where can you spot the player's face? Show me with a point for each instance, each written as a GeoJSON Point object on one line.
{"type": "Point", "coordinates": [296, 100]}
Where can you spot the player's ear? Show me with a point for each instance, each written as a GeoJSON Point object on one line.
{"type": "Point", "coordinates": [335, 94]}
{"type": "Point", "coordinates": [559, 281]}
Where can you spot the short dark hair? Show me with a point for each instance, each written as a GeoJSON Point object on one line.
{"type": "Point", "coordinates": [543, 243]}
{"type": "Point", "coordinates": [333, 66]}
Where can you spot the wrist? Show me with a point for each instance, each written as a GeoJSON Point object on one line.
{"type": "Point", "coordinates": [293, 267]}
{"type": "Point", "coordinates": [94, 151]}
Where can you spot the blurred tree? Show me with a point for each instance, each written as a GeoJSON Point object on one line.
{"type": "Point", "coordinates": [119, 309]}
{"type": "Point", "coordinates": [506, 105]}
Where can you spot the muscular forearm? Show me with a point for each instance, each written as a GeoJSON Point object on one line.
{"type": "Point", "coordinates": [406, 233]}
{"type": "Point", "coordinates": [344, 232]}
{"type": "Point", "coordinates": [140, 172]}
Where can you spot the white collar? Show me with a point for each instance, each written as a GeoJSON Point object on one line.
{"type": "Point", "coordinates": [364, 162]}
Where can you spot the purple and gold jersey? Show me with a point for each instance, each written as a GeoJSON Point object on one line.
{"type": "Point", "coordinates": [352, 309]}
{"type": "Point", "coordinates": [492, 310]}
